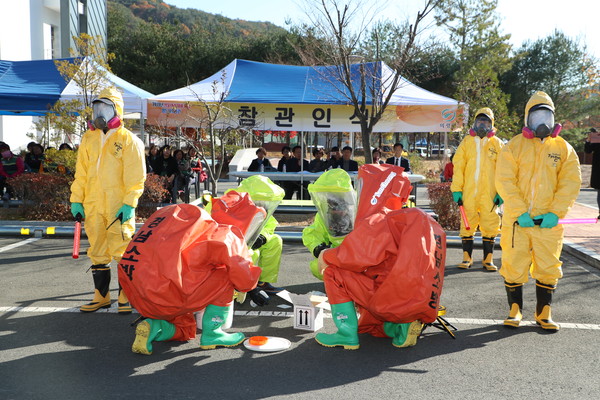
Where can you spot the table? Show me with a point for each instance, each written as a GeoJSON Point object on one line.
{"type": "Point", "coordinates": [311, 177]}
{"type": "Point", "coordinates": [304, 176]}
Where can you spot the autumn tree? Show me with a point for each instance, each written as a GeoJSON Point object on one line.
{"type": "Point", "coordinates": [88, 71]}
{"type": "Point", "coordinates": [559, 66]}
{"type": "Point", "coordinates": [334, 34]}
{"type": "Point", "coordinates": [483, 53]}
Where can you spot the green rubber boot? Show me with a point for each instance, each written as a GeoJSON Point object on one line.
{"type": "Point", "coordinates": [344, 317]}
{"type": "Point", "coordinates": [212, 336]}
{"type": "Point", "coordinates": [403, 335]}
{"type": "Point", "coordinates": [151, 330]}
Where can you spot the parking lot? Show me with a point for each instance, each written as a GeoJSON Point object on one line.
{"type": "Point", "coordinates": [48, 349]}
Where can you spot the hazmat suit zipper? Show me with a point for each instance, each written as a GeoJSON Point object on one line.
{"type": "Point", "coordinates": [535, 177]}
{"type": "Point", "coordinates": [478, 143]}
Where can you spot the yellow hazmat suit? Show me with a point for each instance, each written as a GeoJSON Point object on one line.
{"type": "Point", "coordinates": [474, 176]}
{"type": "Point", "coordinates": [110, 173]}
{"type": "Point", "coordinates": [536, 176]}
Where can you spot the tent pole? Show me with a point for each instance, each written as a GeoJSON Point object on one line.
{"type": "Point", "coordinates": [301, 189]}
{"type": "Point", "coordinates": [142, 133]}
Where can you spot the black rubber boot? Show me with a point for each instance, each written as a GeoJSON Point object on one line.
{"type": "Point", "coordinates": [514, 292]}
{"type": "Point", "coordinates": [123, 302]}
{"type": "Point", "coordinates": [467, 245]}
{"type": "Point", "coordinates": [101, 274]}
{"type": "Point", "coordinates": [488, 253]}
{"type": "Point", "coordinates": [543, 312]}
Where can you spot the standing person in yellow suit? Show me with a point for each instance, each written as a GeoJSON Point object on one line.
{"type": "Point", "coordinates": [473, 186]}
{"type": "Point", "coordinates": [538, 176]}
{"type": "Point", "coordinates": [109, 180]}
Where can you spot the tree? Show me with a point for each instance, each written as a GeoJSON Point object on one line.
{"type": "Point", "coordinates": [559, 66]}
{"type": "Point", "coordinates": [214, 126]}
{"type": "Point", "coordinates": [483, 54]}
{"type": "Point", "coordinates": [333, 36]}
{"type": "Point", "coordinates": [88, 71]}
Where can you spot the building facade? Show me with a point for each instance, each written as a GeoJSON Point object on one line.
{"type": "Point", "coordinates": [43, 29]}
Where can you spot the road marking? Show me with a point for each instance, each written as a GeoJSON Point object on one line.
{"type": "Point", "coordinates": [19, 244]}
{"type": "Point", "coordinates": [283, 314]}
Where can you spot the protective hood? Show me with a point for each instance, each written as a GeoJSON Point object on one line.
{"type": "Point", "coordinates": [263, 192]}
{"type": "Point", "coordinates": [483, 128]}
{"type": "Point", "coordinates": [539, 117]}
{"type": "Point", "coordinates": [114, 95]}
{"type": "Point", "coordinates": [261, 188]}
{"type": "Point", "coordinates": [487, 112]}
{"type": "Point", "coordinates": [334, 180]}
{"type": "Point", "coordinates": [335, 200]}
{"type": "Point", "coordinates": [537, 99]}
{"type": "Point", "coordinates": [237, 209]}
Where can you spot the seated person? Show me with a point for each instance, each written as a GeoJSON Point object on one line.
{"type": "Point", "coordinates": [346, 163]}
{"type": "Point", "coordinates": [317, 164]}
{"type": "Point", "coordinates": [11, 166]}
{"type": "Point", "coordinates": [261, 163]}
{"type": "Point", "coordinates": [376, 153]}
{"type": "Point", "coordinates": [297, 164]}
{"type": "Point", "coordinates": [334, 157]}
{"type": "Point", "coordinates": [184, 260]}
{"type": "Point", "coordinates": [286, 154]}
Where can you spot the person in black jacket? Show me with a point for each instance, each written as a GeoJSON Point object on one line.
{"type": "Point", "coordinates": [346, 163]}
{"type": "Point", "coordinates": [594, 147]}
{"type": "Point", "coordinates": [398, 159]}
{"type": "Point", "coordinates": [293, 165]}
{"type": "Point", "coordinates": [153, 160]}
{"type": "Point", "coordinates": [261, 160]}
{"type": "Point", "coordinates": [167, 167]}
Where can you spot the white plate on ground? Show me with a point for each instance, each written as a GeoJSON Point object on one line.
{"type": "Point", "coordinates": [273, 344]}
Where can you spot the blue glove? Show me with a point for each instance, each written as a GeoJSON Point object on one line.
{"type": "Point", "coordinates": [125, 213]}
{"type": "Point", "coordinates": [498, 200]}
{"type": "Point", "coordinates": [457, 196]}
{"type": "Point", "coordinates": [77, 208]}
{"type": "Point", "coordinates": [525, 221]}
{"type": "Point", "coordinates": [549, 220]}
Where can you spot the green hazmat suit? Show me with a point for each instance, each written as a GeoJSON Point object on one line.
{"type": "Point", "coordinates": [332, 190]}
{"type": "Point", "coordinates": [264, 193]}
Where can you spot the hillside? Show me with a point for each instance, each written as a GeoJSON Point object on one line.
{"type": "Point", "coordinates": [160, 12]}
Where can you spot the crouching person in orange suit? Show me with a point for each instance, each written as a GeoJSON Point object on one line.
{"type": "Point", "coordinates": [390, 267]}
{"type": "Point", "coordinates": [184, 260]}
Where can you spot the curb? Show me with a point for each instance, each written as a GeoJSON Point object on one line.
{"type": "Point", "coordinates": [588, 256]}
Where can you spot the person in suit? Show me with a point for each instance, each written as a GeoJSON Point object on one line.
{"type": "Point", "coordinates": [346, 163]}
{"type": "Point", "coordinates": [398, 159]}
{"type": "Point", "coordinates": [261, 160]}
{"type": "Point", "coordinates": [294, 165]}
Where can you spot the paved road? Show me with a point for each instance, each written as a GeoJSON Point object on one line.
{"type": "Point", "coordinates": [51, 353]}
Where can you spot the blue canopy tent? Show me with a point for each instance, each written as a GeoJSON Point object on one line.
{"type": "Point", "coordinates": [32, 87]}
{"type": "Point", "coordinates": [302, 98]}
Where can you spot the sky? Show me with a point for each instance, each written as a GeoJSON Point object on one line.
{"type": "Point", "coordinates": [523, 19]}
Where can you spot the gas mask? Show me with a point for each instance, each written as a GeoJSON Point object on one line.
{"type": "Point", "coordinates": [104, 115]}
{"type": "Point", "coordinates": [541, 121]}
{"type": "Point", "coordinates": [482, 126]}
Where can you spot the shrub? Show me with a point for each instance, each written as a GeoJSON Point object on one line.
{"type": "Point", "coordinates": [60, 161]}
{"type": "Point", "coordinates": [45, 196]}
{"type": "Point", "coordinates": [155, 192]}
{"type": "Point", "coordinates": [441, 202]}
